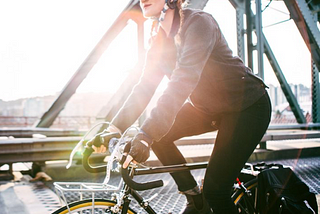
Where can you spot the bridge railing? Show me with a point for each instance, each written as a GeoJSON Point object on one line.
{"type": "Point", "coordinates": [63, 122]}
{"type": "Point", "coordinates": [86, 122]}
{"type": "Point", "coordinates": [58, 148]}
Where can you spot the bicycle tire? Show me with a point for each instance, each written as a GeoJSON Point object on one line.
{"type": "Point", "coordinates": [247, 204]}
{"type": "Point", "coordinates": [86, 205]}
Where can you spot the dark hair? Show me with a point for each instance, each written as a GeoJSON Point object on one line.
{"type": "Point", "coordinates": [175, 5]}
{"type": "Point", "coordinates": [180, 6]}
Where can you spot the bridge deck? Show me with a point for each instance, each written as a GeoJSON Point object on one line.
{"type": "Point", "coordinates": [22, 196]}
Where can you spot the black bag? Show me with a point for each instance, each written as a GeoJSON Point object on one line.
{"type": "Point", "coordinates": [280, 191]}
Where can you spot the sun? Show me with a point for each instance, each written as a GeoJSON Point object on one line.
{"type": "Point", "coordinates": [114, 65]}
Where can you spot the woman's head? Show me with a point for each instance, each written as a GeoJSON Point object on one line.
{"type": "Point", "coordinates": [153, 8]}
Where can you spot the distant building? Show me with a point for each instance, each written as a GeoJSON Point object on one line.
{"type": "Point", "coordinates": [85, 107]}
{"type": "Point", "coordinates": [279, 101]}
{"type": "Point", "coordinates": [84, 104]}
{"type": "Point", "coordinates": [281, 110]}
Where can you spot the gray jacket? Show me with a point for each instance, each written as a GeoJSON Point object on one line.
{"type": "Point", "coordinates": [202, 70]}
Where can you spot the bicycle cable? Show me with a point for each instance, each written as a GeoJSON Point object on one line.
{"type": "Point", "coordinates": [76, 148]}
{"type": "Point", "coordinates": [116, 152]}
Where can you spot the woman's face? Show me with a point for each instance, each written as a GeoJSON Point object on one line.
{"type": "Point", "coordinates": [151, 8]}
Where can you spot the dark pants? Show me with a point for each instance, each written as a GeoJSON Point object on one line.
{"type": "Point", "coordinates": [238, 135]}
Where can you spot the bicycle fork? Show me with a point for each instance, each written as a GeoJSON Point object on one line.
{"type": "Point", "coordinates": [126, 201]}
{"type": "Point", "coordinates": [145, 204]}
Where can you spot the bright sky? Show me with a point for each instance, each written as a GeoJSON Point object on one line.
{"type": "Point", "coordinates": [43, 43]}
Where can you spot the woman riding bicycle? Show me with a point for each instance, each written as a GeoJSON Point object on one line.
{"type": "Point", "coordinates": [209, 89]}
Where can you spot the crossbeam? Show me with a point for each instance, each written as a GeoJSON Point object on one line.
{"type": "Point", "coordinates": [59, 148]}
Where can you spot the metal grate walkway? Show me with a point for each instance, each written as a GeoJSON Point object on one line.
{"type": "Point", "coordinates": [40, 198]}
{"type": "Point", "coordinates": [169, 200]}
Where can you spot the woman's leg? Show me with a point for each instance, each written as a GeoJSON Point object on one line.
{"type": "Point", "coordinates": [189, 121]}
{"type": "Point", "coordinates": [239, 133]}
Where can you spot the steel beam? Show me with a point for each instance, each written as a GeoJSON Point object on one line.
{"type": "Point", "coordinates": [259, 46]}
{"type": "Point", "coordinates": [315, 93]}
{"type": "Point", "coordinates": [197, 4]}
{"type": "Point", "coordinates": [22, 132]}
{"type": "Point", "coordinates": [250, 20]}
{"type": "Point", "coordinates": [240, 33]}
{"type": "Point", "coordinates": [238, 4]}
{"type": "Point", "coordinates": [108, 111]}
{"type": "Point", "coordinates": [48, 149]}
{"type": "Point", "coordinates": [240, 7]}
{"type": "Point", "coordinates": [48, 118]}
{"type": "Point", "coordinates": [307, 25]}
{"type": "Point", "coordinates": [33, 150]}
{"type": "Point", "coordinates": [294, 105]}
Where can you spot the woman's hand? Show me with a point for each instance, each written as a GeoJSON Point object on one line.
{"type": "Point", "coordinates": [100, 143]}
{"type": "Point", "coordinates": [140, 149]}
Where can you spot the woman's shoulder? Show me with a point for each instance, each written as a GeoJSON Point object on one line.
{"type": "Point", "coordinates": [195, 17]}
{"type": "Point", "coordinates": [190, 13]}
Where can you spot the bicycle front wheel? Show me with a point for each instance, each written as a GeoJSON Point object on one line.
{"type": "Point", "coordinates": [246, 202]}
{"type": "Point", "coordinates": [86, 206]}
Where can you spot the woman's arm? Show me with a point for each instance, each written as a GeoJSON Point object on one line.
{"type": "Point", "coordinates": [142, 92]}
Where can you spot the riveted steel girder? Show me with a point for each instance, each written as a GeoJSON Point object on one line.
{"type": "Point", "coordinates": [197, 4]}
{"type": "Point", "coordinates": [315, 93]}
{"type": "Point", "coordinates": [240, 34]}
{"type": "Point", "coordinates": [238, 4]}
{"type": "Point", "coordinates": [294, 105]}
{"type": "Point", "coordinates": [58, 105]}
{"type": "Point", "coordinates": [306, 22]}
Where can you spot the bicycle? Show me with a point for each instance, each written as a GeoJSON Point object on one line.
{"type": "Point", "coordinates": [244, 194]}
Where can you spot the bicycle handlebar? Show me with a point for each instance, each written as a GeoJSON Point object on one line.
{"type": "Point", "coordinates": [139, 186]}
{"type": "Point", "coordinates": [96, 141]}
{"type": "Point", "coordinates": [128, 179]}
{"type": "Point", "coordinates": [103, 138]}
{"type": "Point", "coordinates": [124, 173]}
{"type": "Point", "coordinates": [85, 162]}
